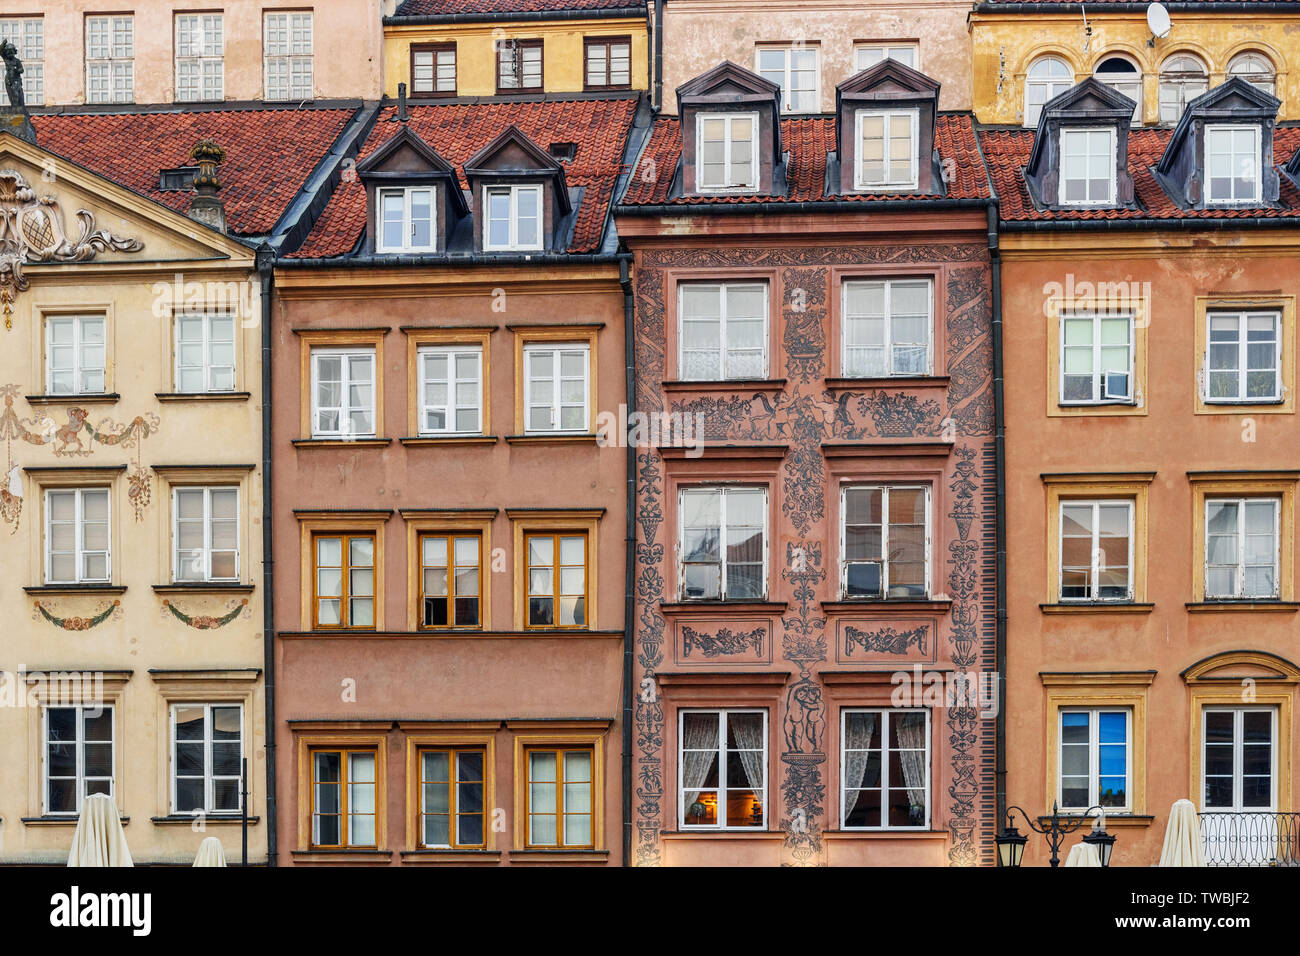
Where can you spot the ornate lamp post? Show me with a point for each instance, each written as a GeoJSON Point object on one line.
{"type": "Point", "coordinates": [1011, 842]}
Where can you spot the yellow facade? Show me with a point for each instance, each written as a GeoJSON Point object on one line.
{"type": "Point", "coordinates": [126, 635]}
{"type": "Point", "coordinates": [562, 51]}
{"type": "Point", "coordinates": [1006, 44]}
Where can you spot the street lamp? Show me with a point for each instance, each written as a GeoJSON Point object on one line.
{"type": "Point", "coordinates": [1011, 842]}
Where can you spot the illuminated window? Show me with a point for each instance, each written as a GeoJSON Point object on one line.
{"type": "Point", "coordinates": [722, 769]}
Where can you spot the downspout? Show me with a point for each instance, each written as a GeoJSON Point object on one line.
{"type": "Point", "coordinates": [1000, 521]}
{"type": "Point", "coordinates": [265, 269]}
{"type": "Point", "coordinates": [629, 558]}
{"type": "Point", "coordinates": [658, 103]}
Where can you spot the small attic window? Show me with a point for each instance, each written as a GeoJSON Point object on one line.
{"type": "Point", "coordinates": [179, 179]}
{"type": "Point", "coordinates": [1232, 164]}
{"type": "Point", "coordinates": [887, 149]}
{"type": "Point", "coordinates": [1088, 167]}
{"type": "Point", "coordinates": [564, 152]}
{"type": "Point", "coordinates": [408, 220]}
{"type": "Point", "coordinates": [725, 151]}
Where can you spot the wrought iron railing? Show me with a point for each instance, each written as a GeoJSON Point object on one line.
{"type": "Point", "coordinates": [1251, 838]}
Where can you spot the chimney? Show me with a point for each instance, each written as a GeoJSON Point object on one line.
{"type": "Point", "coordinates": [206, 206]}
{"type": "Point", "coordinates": [401, 103]}
{"type": "Point", "coordinates": [14, 118]}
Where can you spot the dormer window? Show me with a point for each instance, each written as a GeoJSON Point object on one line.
{"type": "Point", "coordinates": [887, 150]}
{"type": "Point", "coordinates": [1088, 167]}
{"type": "Point", "coordinates": [407, 223]}
{"type": "Point", "coordinates": [1232, 164]}
{"type": "Point", "coordinates": [727, 158]}
{"type": "Point", "coordinates": [513, 218]}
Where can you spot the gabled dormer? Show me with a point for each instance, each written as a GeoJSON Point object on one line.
{"type": "Point", "coordinates": [1220, 154]}
{"type": "Point", "coordinates": [1080, 154]}
{"type": "Point", "coordinates": [413, 200]}
{"type": "Point", "coordinates": [884, 132]}
{"type": "Point", "coordinates": [731, 134]}
{"type": "Point", "coordinates": [521, 201]}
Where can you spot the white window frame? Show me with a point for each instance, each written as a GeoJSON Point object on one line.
{"type": "Point", "coordinates": [1094, 551]}
{"type": "Point", "coordinates": [729, 186]}
{"type": "Point", "coordinates": [722, 787]}
{"type": "Point", "coordinates": [723, 350]}
{"type": "Point", "coordinates": [452, 353]}
{"type": "Point", "coordinates": [914, 122]}
{"type": "Point", "coordinates": [118, 61]}
{"type": "Point", "coordinates": [721, 491]}
{"type": "Point", "coordinates": [885, 488]}
{"type": "Point", "coordinates": [1048, 84]}
{"type": "Point", "coordinates": [1138, 77]}
{"type": "Point", "coordinates": [1094, 757]}
{"type": "Point", "coordinates": [1087, 132]}
{"type": "Point", "coordinates": [513, 244]}
{"type": "Point", "coordinates": [28, 35]}
{"type": "Point", "coordinates": [78, 334]}
{"type": "Point", "coordinates": [408, 222]}
{"type": "Point", "coordinates": [1257, 158]}
{"type": "Point", "coordinates": [347, 355]}
{"type": "Point", "coordinates": [1181, 86]}
{"type": "Point", "coordinates": [79, 529]}
{"type": "Point", "coordinates": [1266, 81]}
{"type": "Point", "coordinates": [1243, 317]}
{"type": "Point", "coordinates": [209, 777]}
{"type": "Point", "coordinates": [293, 56]}
{"type": "Point", "coordinates": [1100, 395]}
{"type": "Point", "coordinates": [202, 59]}
{"type": "Point", "coordinates": [205, 345]}
{"type": "Point", "coordinates": [79, 745]}
{"type": "Point", "coordinates": [887, 53]}
{"type": "Point", "coordinates": [885, 751]}
{"type": "Point", "coordinates": [1239, 588]}
{"type": "Point", "coordinates": [847, 286]}
{"type": "Point", "coordinates": [787, 50]}
{"type": "Point", "coordinates": [556, 350]}
{"type": "Point", "coordinates": [207, 548]}
{"type": "Point", "coordinates": [1238, 765]}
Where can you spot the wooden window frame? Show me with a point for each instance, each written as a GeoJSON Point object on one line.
{"type": "Point", "coordinates": [561, 812]}
{"type": "Point", "coordinates": [479, 736]}
{"type": "Point", "coordinates": [199, 58]}
{"type": "Point", "coordinates": [606, 41]}
{"type": "Point", "coordinates": [453, 784]}
{"type": "Point", "coordinates": [345, 752]}
{"type": "Point", "coordinates": [339, 523]}
{"type": "Point", "coordinates": [1238, 711]}
{"type": "Point", "coordinates": [559, 522]}
{"type": "Point", "coordinates": [555, 534]}
{"type": "Point", "coordinates": [307, 745]}
{"type": "Point", "coordinates": [420, 522]}
{"type": "Point", "coordinates": [1133, 487]}
{"type": "Point", "coordinates": [520, 44]}
{"type": "Point", "coordinates": [345, 569]}
{"type": "Point", "coordinates": [450, 535]}
{"type": "Point", "coordinates": [556, 336]}
{"type": "Point", "coordinates": [435, 49]}
{"type": "Point", "coordinates": [312, 339]}
{"type": "Point", "coordinates": [1095, 532]}
{"type": "Point", "coordinates": [1285, 305]}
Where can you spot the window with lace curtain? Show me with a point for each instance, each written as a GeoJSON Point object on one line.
{"type": "Point", "coordinates": [885, 769]}
{"type": "Point", "coordinates": [722, 770]}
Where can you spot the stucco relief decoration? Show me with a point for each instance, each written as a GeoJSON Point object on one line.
{"type": "Point", "coordinates": [886, 640]}
{"type": "Point", "coordinates": [724, 643]}
{"type": "Point", "coordinates": [70, 622]}
{"type": "Point", "coordinates": [208, 622]}
{"type": "Point", "coordinates": [32, 231]}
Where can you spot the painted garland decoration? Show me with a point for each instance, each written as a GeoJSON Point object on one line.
{"type": "Point", "coordinates": [207, 622]}
{"type": "Point", "coordinates": [72, 623]}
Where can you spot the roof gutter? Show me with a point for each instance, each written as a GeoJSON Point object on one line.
{"type": "Point", "coordinates": [1212, 6]}
{"type": "Point", "coordinates": [826, 205]}
{"type": "Point", "coordinates": [455, 261]}
{"type": "Point", "coordinates": [1191, 224]}
{"type": "Point", "coordinates": [432, 19]}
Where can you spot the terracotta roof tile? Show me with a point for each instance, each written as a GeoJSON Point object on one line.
{"type": "Point", "coordinates": [1007, 151]}
{"type": "Point", "coordinates": [457, 131]}
{"type": "Point", "coordinates": [269, 153]}
{"type": "Point", "coordinates": [808, 139]}
{"type": "Point", "coordinates": [431, 8]}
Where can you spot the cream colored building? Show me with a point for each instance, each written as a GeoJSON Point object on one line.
{"type": "Point", "coordinates": [130, 518]}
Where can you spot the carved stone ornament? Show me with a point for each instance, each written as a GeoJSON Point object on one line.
{"type": "Point", "coordinates": [32, 230]}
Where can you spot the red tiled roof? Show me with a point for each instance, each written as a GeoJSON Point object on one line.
{"type": "Point", "coordinates": [433, 8]}
{"type": "Point", "coordinates": [1007, 152]}
{"type": "Point", "coordinates": [808, 139]}
{"type": "Point", "coordinates": [457, 131]}
{"type": "Point", "coordinates": [269, 153]}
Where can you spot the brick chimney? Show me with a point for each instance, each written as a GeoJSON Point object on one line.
{"type": "Point", "coordinates": [206, 206]}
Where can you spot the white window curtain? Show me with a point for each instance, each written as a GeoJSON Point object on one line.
{"type": "Point", "coordinates": [858, 731]}
{"type": "Point", "coordinates": [748, 732]}
{"type": "Point", "coordinates": [699, 753]}
{"type": "Point", "coordinates": [911, 740]}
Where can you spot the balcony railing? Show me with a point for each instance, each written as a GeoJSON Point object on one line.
{"type": "Point", "coordinates": [1251, 838]}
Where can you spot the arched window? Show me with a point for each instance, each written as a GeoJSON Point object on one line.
{"type": "Point", "coordinates": [1123, 76]}
{"type": "Point", "coordinates": [1183, 78]}
{"type": "Point", "coordinates": [1048, 76]}
{"type": "Point", "coordinates": [1256, 69]}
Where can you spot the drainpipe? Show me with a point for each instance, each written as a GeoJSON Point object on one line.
{"type": "Point", "coordinates": [629, 558]}
{"type": "Point", "coordinates": [1000, 520]}
{"type": "Point", "coordinates": [265, 267]}
{"type": "Point", "coordinates": [659, 56]}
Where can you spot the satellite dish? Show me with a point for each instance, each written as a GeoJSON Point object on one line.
{"type": "Point", "coordinates": [1158, 20]}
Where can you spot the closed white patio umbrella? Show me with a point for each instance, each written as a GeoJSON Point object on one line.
{"type": "Point", "coordinates": [1083, 854]}
{"type": "Point", "coordinates": [1183, 845]}
{"type": "Point", "coordinates": [99, 840]}
{"type": "Point", "coordinates": [210, 853]}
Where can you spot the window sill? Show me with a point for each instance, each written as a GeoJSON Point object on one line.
{"type": "Point", "coordinates": [1284, 607]}
{"type": "Point", "coordinates": [341, 855]}
{"type": "Point", "coordinates": [449, 857]}
{"type": "Point", "coordinates": [724, 607]}
{"type": "Point", "coordinates": [340, 442]}
{"type": "Point", "coordinates": [449, 440]}
{"type": "Point", "coordinates": [900, 833]}
{"type": "Point", "coordinates": [892, 381]}
{"type": "Point", "coordinates": [934, 605]}
{"type": "Point", "coordinates": [205, 587]}
{"type": "Point", "coordinates": [203, 396]}
{"type": "Point", "coordinates": [737, 834]}
{"type": "Point", "coordinates": [727, 385]}
{"type": "Point", "coordinates": [559, 855]}
{"type": "Point", "coordinates": [76, 589]}
{"type": "Point", "coordinates": [94, 398]}
{"type": "Point", "coordinates": [1098, 607]}
{"type": "Point", "coordinates": [50, 820]}
{"type": "Point", "coordinates": [460, 633]}
{"type": "Point", "coordinates": [187, 819]}
{"type": "Point", "coordinates": [554, 438]}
